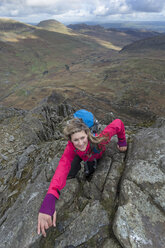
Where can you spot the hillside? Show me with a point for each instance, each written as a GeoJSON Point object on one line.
{"type": "Point", "coordinates": [155, 43]}
{"type": "Point", "coordinates": [12, 25]}
{"type": "Point", "coordinates": [30, 62]}
{"type": "Point", "coordinates": [115, 36]}
{"type": "Point", "coordinates": [82, 69]}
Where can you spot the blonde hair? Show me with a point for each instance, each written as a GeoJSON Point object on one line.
{"type": "Point", "coordinates": [77, 125]}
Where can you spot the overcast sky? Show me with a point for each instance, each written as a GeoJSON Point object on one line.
{"type": "Point", "coordinates": [74, 11]}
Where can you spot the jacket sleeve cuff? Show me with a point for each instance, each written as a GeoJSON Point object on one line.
{"type": "Point", "coordinates": [48, 205]}
{"type": "Point", "coordinates": [122, 143]}
{"type": "Point", "coordinates": [54, 192]}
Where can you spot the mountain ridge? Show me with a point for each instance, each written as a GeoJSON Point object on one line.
{"type": "Point", "coordinates": [156, 43]}
{"type": "Point", "coordinates": [116, 36]}
{"type": "Point", "coordinates": [7, 24]}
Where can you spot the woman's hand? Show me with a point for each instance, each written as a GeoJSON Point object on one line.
{"type": "Point", "coordinates": [122, 148]}
{"type": "Point", "coordinates": [45, 221]}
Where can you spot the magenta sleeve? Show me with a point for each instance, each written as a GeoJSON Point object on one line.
{"type": "Point", "coordinates": [122, 143]}
{"type": "Point", "coordinates": [48, 205]}
{"type": "Point", "coordinates": [59, 178]}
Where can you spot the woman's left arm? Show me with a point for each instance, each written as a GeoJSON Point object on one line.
{"type": "Point", "coordinates": [116, 128]}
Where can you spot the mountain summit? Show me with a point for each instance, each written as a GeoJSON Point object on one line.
{"type": "Point", "coordinates": [55, 26]}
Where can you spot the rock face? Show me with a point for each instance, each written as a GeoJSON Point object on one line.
{"type": "Point", "coordinates": [121, 205]}
{"type": "Point", "coordinates": [140, 218]}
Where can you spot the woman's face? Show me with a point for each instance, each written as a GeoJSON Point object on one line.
{"type": "Point", "coordinates": [80, 140]}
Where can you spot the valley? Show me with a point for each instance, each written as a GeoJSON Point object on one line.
{"type": "Point", "coordinates": [90, 67]}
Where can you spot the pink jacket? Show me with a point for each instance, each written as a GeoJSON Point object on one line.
{"type": "Point", "coordinates": [58, 181]}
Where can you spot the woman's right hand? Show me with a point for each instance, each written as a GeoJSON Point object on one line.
{"type": "Point", "coordinates": [45, 221]}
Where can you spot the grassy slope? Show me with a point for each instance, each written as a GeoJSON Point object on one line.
{"type": "Point", "coordinates": [29, 55]}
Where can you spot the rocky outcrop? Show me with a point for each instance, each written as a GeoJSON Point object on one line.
{"type": "Point", "coordinates": [140, 218]}
{"type": "Point", "coordinates": [121, 205]}
{"type": "Point", "coordinates": [22, 136]}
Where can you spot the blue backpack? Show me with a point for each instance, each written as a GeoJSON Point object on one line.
{"type": "Point", "coordinates": [88, 118]}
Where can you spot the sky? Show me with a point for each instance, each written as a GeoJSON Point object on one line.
{"type": "Point", "coordinates": [81, 11]}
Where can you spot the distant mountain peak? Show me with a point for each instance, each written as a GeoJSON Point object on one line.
{"type": "Point", "coordinates": [55, 26]}
{"type": "Point", "coordinates": [46, 22]}
{"type": "Point", "coordinates": [80, 26]}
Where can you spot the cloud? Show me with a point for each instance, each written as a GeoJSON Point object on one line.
{"type": "Point", "coordinates": [78, 10]}
{"type": "Point", "coordinates": [110, 7]}
{"type": "Point", "coordinates": [147, 5]}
